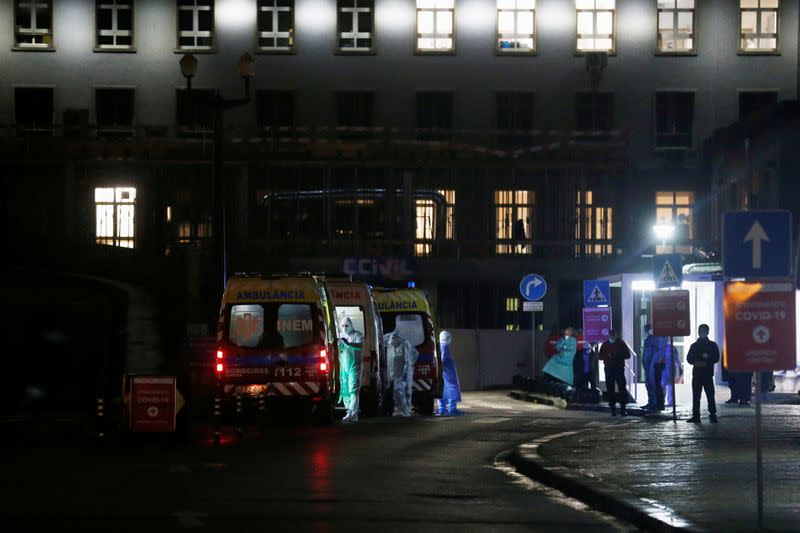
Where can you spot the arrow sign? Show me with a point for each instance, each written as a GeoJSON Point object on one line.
{"type": "Point", "coordinates": [533, 287]}
{"type": "Point", "coordinates": [757, 235]}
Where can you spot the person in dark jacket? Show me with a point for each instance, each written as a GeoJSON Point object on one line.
{"type": "Point", "coordinates": [613, 353]}
{"type": "Point", "coordinates": [703, 355]}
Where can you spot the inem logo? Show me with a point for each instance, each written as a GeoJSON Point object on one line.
{"type": "Point", "coordinates": [295, 325]}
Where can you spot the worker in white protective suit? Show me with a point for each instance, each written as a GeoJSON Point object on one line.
{"type": "Point", "coordinates": [400, 359]}
{"type": "Point", "coordinates": [351, 342]}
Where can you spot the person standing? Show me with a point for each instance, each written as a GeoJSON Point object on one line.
{"type": "Point", "coordinates": [653, 363]}
{"type": "Point", "coordinates": [703, 355]}
{"type": "Point", "coordinates": [451, 393]}
{"type": "Point", "coordinates": [400, 359]}
{"type": "Point", "coordinates": [350, 345]}
{"type": "Point", "coordinates": [613, 353]}
{"type": "Point", "coordinates": [559, 366]}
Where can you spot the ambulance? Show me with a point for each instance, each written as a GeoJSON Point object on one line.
{"type": "Point", "coordinates": [276, 343]}
{"type": "Point", "coordinates": [407, 312]}
{"type": "Point", "coordinates": [354, 300]}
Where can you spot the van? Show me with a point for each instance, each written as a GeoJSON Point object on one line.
{"type": "Point", "coordinates": [276, 343]}
{"type": "Point", "coordinates": [407, 312]}
{"type": "Point", "coordinates": [354, 300]}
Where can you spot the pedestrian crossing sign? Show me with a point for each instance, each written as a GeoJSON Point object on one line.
{"type": "Point", "coordinates": [596, 293]}
{"type": "Point", "coordinates": [667, 270]}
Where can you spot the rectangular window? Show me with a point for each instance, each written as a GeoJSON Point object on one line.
{"type": "Point", "coordinates": [194, 232]}
{"type": "Point", "coordinates": [594, 227]}
{"type": "Point", "coordinates": [676, 208]}
{"type": "Point", "coordinates": [514, 118]}
{"type": "Point", "coordinates": [195, 111]}
{"type": "Point", "coordinates": [675, 26]}
{"type": "Point", "coordinates": [354, 114]}
{"type": "Point", "coordinates": [674, 119]}
{"type": "Point", "coordinates": [435, 29]}
{"type": "Point", "coordinates": [434, 115]}
{"type": "Point", "coordinates": [33, 109]}
{"type": "Point", "coordinates": [759, 26]}
{"type": "Point", "coordinates": [115, 210]}
{"type": "Point", "coordinates": [427, 222]}
{"type": "Point", "coordinates": [595, 25]}
{"type": "Point", "coordinates": [594, 112]}
{"type": "Point", "coordinates": [753, 101]}
{"type": "Point", "coordinates": [276, 25]}
{"type": "Point", "coordinates": [275, 109]}
{"type": "Point", "coordinates": [516, 25]}
{"type": "Point", "coordinates": [449, 212]}
{"type": "Point", "coordinates": [33, 24]}
{"type": "Point", "coordinates": [195, 25]}
{"type": "Point", "coordinates": [513, 221]}
{"type": "Point", "coordinates": [114, 110]}
{"type": "Point", "coordinates": [356, 25]}
{"type": "Point", "coordinates": [113, 25]}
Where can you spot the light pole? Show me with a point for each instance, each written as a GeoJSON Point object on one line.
{"type": "Point", "coordinates": [219, 104]}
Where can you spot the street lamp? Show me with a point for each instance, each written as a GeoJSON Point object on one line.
{"type": "Point", "coordinates": [664, 232]}
{"type": "Point", "coordinates": [219, 104]}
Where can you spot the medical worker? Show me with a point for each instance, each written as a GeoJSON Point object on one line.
{"type": "Point", "coordinates": [350, 344]}
{"type": "Point", "coordinates": [673, 373]}
{"type": "Point", "coordinates": [560, 365]}
{"type": "Point", "coordinates": [653, 364]}
{"type": "Point", "coordinates": [400, 359]}
{"type": "Point", "coordinates": [451, 393]}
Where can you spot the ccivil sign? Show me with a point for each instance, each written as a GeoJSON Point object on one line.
{"type": "Point", "coordinates": [596, 323]}
{"type": "Point", "coordinates": [759, 326]}
{"type": "Point", "coordinates": [671, 314]}
{"type": "Point", "coordinates": [533, 287]}
{"type": "Point", "coordinates": [596, 293]}
{"type": "Point", "coordinates": [667, 270]}
{"type": "Point", "coordinates": [757, 244]}
{"type": "Point", "coordinates": [153, 404]}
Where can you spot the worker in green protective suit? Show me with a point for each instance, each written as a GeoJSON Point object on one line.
{"type": "Point", "coordinates": [350, 345]}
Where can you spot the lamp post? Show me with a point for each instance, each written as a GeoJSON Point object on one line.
{"type": "Point", "coordinates": [219, 104]}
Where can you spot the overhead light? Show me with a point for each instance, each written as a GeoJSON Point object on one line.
{"type": "Point", "coordinates": [664, 231]}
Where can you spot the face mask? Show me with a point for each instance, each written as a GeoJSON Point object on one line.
{"type": "Point", "coordinates": [612, 340]}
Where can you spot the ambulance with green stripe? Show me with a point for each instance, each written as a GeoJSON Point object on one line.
{"type": "Point", "coordinates": [407, 312]}
{"type": "Point", "coordinates": [276, 342]}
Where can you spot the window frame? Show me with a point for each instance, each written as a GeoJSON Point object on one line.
{"type": "Point", "coordinates": [508, 245]}
{"type": "Point", "coordinates": [115, 237]}
{"type": "Point", "coordinates": [676, 245]}
{"type": "Point", "coordinates": [675, 11]}
{"type": "Point", "coordinates": [292, 48]}
{"type": "Point", "coordinates": [34, 128]}
{"type": "Point", "coordinates": [594, 97]}
{"type": "Point", "coordinates": [114, 13]}
{"type": "Point", "coordinates": [610, 51]}
{"type": "Point", "coordinates": [589, 218]}
{"type": "Point", "coordinates": [24, 47]}
{"type": "Point", "coordinates": [758, 10]}
{"type": "Point", "coordinates": [118, 129]}
{"type": "Point", "coordinates": [212, 48]}
{"type": "Point", "coordinates": [672, 147]}
{"type": "Point", "coordinates": [511, 52]}
{"type": "Point", "coordinates": [452, 35]}
{"type": "Point", "coordinates": [355, 51]}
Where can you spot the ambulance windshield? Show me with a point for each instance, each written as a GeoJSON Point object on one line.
{"type": "Point", "coordinates": [273, 325]}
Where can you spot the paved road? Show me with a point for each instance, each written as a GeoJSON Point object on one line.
{"type": "Point", "coordinates": [381, 474]}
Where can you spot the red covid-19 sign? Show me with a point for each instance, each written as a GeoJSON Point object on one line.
{"type": "Point", "coordinates": [153, 404]}
{"type": "Point", "coordinates": [671, 314]}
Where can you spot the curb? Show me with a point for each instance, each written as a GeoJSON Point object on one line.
{"type": "Point", "coordinates": [598, 408]}
{"type": "Point", "coordinates": [651, 517]}
{"type": "Point", "coordinates": [539, 398]}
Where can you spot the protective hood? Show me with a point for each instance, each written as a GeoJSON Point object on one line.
{"type": "Point", "coordinates": [346, 326]}
{"type": "Point", "coordinates": [445, 337]}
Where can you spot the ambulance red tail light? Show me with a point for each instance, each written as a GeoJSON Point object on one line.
{"type": "Point", "coordinates": [220, 367]}
{"type": "Point", "coordinates": [323, 361]}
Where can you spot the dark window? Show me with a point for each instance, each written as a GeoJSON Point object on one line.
{"type": "Point", "coordinates": [114, 110]}
{"type": "Point", "coordinates": [195, 111]}
{"type": "Point", "coordinates": [674, 118]}
{"type": "Point", "coordinates": [276, 25]}
{"type": "Point", "coordinates": [33, 24]}
{"type": "Point", "coordinates": [753, 101]}
{"type": "Point", "coordinates": [33, 109]}
{"type": "Point", "coordinates": [594, 111]}
{"type": "Point", "coordinates": [434, 115]}
{"type": "Point", "coordinates": [514, 118]}
{"type": "Point", "coordinates": [354, 110]}
{"type": "Point", "coordinates": [275, 109]}
{"type": "Point", "coordinates": [195, 24]}
{"type": "Point", "coordinates": [114, 24]}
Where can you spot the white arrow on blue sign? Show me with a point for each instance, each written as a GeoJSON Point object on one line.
{"type": "Point", "coordinates": [533, 287]}
{"type": "Point", "coordinates": [757, 244]}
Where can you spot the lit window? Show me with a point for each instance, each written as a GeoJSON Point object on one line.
{"type": "Point", "coordinates": [595, 25]}
{"type": "Point", "coordinates": [276, 25]}
{"type": "Point", "coordinates": [674, 119]}
{"type": "Point", "coordinates": [33, 24]}
{"type": "Point", "coordinates": [594, 227]}
{"type": "Point", "coordinates": [435, 25]}
{"type": "Point", "coordinates": [115, 209]}
{"type": "Point", "coordinates": [516, 26]}
{"type": "Point", "coordinates": [513, 221]}
{"type": "Point", "coordinates": [193, 232]}
{"type": "Point", "coordinates": [759, 26]}
{"type": "Point", "coordinates": [114, 24]}
{"type": "Point", "coordinates": [677, 208]}
{"type": "Point", "coordinates": [512, 305]}
{"type": "Point", "coordinates": [356, 25]}
{"type": "Point", "coordinates": [195, 24]}
{"type": "Point", "coordinates": [427, 221]}
{"type": "Point", "coordinates": [449, 212]}
{"type": "Point", "coordinates": [675, 26]}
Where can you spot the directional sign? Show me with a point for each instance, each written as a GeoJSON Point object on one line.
{"type": "Point", "coordinates": [757, 244]}
{"type": "Point", "coordinates": [596, 293]}
{"type": "Point", "coordinates": [532, 306]}
{"type": "Point", "coordinates": [759, 326]}
{"type": "Point", "coordinates": [596, 323]}
{"type": "Point", "coordinates": [153, 404]}
{"type": "Point", "coordinates": [671, 314]}
{"type": "Point", "coordinates": [533, 287]}
{"type": "Point", "coordinates": [667, 270]}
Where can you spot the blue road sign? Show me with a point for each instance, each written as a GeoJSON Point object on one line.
{"type": "Point", "coordinates": [596, 293]}
{"type": "Point", "coordinates": [532, 287]}
{"type": "Point", "coordinates": [757, 244]}
{"type": "Point", "coordinates": [667, 270]}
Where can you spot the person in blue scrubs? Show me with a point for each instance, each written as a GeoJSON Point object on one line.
{"type": "Point", "coordinates": [451, 394]}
